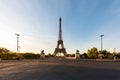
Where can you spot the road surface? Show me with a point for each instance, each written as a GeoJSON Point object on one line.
{"type": "Point", "coordinates": [59, 70]}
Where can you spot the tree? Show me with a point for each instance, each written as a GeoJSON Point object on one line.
{"type": "Point", "coordinates": [118, 55]}
{"type": "Point", "coordinates": [84, 56]}
{"type": "Point", "coordinates": [29, 55]}
{"type": "Point", "coordinates": [107, 54]}
{"type": "Point", "coordinates": [49, 55]}
{"type": "Point", "coordinates": [4, 53]}
{"type": "Point", "coordinates": [92, 53]}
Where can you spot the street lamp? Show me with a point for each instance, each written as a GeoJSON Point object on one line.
{"type": "Point", "coordinates": [17, 42]}
{"type": "Point", "coordinates": [101, 42]}
{"type": "Point", "coordinates": [101, 45]}
{"type": "Point", "coordinates": [17, 46]}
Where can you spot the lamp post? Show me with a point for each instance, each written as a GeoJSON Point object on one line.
{"type": "Point", "coordinates": [101, 42]}
{"type": "Point", "coordinates": [101, 46]}
{"type": "Point", "coordinates": [17, 42]}
{"type": "Point", "coordinates": [18, 51]}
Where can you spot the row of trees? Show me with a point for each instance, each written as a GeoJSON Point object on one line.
{"type": "Point", "coordinates": [92, 53]}
{"type": "Point", "coordinates": [6, 54]}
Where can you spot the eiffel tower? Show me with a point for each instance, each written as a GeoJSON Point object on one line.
{"type": "Point", "coordinates": [60, 42]}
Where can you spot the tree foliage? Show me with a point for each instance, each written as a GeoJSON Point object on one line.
{"type": "Point", "coordinates": [29, 55]}
{"type": "Point", "coordinates": [107, 54]}
{"type": "Point", "coordinates": [84, 56]}
{"type": "Point", "coordinates": [49, 55]}
{"type": "Point", "coordinates": [92, 53]}
{"type": "Point", "coordinates": [6, 54]}
{"type": "Point", "coordinates": [70, 55]}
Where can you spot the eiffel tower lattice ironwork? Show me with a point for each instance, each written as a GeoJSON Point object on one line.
{"type": "Point", "coordinates": [60, 41]}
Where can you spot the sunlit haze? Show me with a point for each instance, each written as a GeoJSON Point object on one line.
{"type": "Point", "coordinates": [37, 22]}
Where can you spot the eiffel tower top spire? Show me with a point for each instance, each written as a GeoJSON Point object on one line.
{"type": "Point", "coordinates": [60, 29]}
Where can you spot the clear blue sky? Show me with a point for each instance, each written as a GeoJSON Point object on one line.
{"type": "Point", "coordinates": [83, 21]}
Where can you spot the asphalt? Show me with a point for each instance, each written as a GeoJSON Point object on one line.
{"type": "Point", "coordinates": [59, 69]}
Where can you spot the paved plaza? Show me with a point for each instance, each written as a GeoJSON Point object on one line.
{"type": "Point", "coordinates": [59, 70]}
